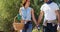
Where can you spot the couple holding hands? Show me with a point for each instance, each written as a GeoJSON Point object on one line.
{"type": "Point", "coordinates": [49, 9]}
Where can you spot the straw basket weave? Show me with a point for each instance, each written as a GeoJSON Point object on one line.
{"type": "Point", "coordinates": [18, 26]}
{"type": "Point", "coordinates": [18, 23]}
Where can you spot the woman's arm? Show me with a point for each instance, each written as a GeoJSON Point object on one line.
{"type": "Point", "coordinates": [22, 21]}
{"type": "Point", "coordinates": [33, 16]}
{"type": "Point", "coordinates": [20, 11]}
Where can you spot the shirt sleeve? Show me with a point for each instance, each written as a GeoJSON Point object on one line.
{"type": "Point", "coordinates": [56, 7]}
{"type": "Point", "coordinates": [41, 8]}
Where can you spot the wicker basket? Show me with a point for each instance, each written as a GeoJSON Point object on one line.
{"type": "Point", "coordinates": [18, 23]}
{"type": "Point", "coordinates": [18, 26]}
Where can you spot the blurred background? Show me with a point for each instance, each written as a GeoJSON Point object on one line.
{"type": "Point", "coordinates": [10, 8]}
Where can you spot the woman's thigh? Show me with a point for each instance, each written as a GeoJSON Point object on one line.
{"type": "Point", "coordinates": [29, 28]}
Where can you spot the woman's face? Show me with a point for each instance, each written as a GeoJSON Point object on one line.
{"type": "Point", "coordinates": [27, 3]}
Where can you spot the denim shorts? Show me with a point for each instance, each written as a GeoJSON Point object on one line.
{"type": "Point", "coordinates": [28, 27]}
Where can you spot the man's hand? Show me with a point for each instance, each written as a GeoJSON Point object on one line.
{"type": "Point", "coordinates": [58, 27]}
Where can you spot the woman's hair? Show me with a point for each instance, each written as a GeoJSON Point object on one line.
{"type": "Point", "coordinates": [24, 2]}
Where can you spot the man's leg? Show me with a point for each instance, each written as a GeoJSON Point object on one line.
{"type": "Point", "coordinates": [45, 29]}
{"type": "Point", "coordinates": [51, 27]}
{"type": "Point", "coordinates": [54, 28]}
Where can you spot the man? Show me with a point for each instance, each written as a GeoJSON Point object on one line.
{"type": "Point", "coordinates": [50, 11]}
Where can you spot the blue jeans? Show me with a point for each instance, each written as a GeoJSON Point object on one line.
{"type": "Point", "coordinates": [50, 28]}
{"type": "Point", "coordinates": [28, 27]}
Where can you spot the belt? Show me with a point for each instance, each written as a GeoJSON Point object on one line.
{"type": "Point", "coordinates": [51, 21]}
{"type": "Point", "coordinates": [27, 21]}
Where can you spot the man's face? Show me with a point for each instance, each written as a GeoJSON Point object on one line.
{"type": "Point", "coordinates": [46, 0]}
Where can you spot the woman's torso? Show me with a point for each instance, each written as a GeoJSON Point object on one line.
{"type": "Point", "coordinates": [26, 13]}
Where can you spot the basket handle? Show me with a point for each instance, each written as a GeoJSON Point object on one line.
{"type": "Point", "coordinates": [15, 20]}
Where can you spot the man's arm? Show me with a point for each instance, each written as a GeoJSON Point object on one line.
{"type": "Point", "coordinates": [33, 16]}
{"type": "Point", "coordinates": [58, 16]}
{"type": "Point", "coordinates": [40, 16]}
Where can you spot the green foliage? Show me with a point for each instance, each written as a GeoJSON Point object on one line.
{"type": "Point", "coordinates": [36, 4]}
{"type": "Point", "coordinates": [8, 10]}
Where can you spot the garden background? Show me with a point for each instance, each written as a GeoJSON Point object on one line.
{"type": "Point", "coordinates": [10, 8]}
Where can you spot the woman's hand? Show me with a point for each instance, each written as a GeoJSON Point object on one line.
{"type": "Point", "coordinates": [22, 21]}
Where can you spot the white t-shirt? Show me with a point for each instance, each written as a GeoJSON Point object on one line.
{"type": "Point", "coordinates": [49, 10]}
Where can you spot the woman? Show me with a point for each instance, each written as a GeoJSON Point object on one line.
{"type": "Point", "coordinates": [27, 13]}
